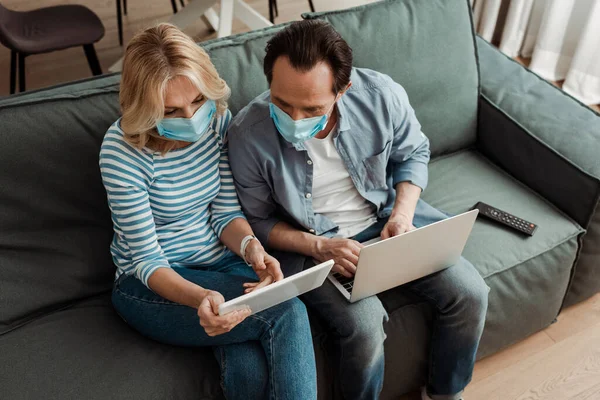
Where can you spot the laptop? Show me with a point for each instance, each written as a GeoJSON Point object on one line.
{"type": "Point", "coordinates": [385, 264]}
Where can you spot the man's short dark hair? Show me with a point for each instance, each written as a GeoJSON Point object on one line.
{"type": "Point", "coordinates": [308, 42]}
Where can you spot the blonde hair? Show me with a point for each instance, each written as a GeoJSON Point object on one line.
{"type": "Point", "coordinates": [154, 57]}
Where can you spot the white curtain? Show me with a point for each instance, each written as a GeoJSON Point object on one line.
{"type": "Point", "coordinates": [562, 38]}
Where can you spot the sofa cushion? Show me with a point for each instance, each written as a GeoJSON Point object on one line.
{"type": "Point", "coordinates": [428, 47]}
{"type": "Point", "coordinates": [88, 352]}
{"type": "Point", "coordinates": [56, 227]}
{"type": "Point", "coordinates": [528, 276]}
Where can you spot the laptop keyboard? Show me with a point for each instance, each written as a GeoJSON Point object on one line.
{"type": "Point", "coordinates": [347, 283]}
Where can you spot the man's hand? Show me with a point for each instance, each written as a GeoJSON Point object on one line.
{"type": "Point", "coordinates": [397, 225]}
{"type": "Point", "coordinates": [213, 323]}
{"type": "Point", "coordinates": [344, 253]}
{"type": "Point", "coordinates": [266, 266]}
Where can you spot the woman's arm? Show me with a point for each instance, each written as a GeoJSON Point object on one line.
{"type": "Point", "coordinates": [231, 227]}
{"type": "Point", "coordinates": [170, 285]}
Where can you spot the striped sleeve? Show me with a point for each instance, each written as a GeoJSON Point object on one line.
{"type": "Point", "coordinates": [225, 207]}
{"type": "Point", "coordinates": [126, 176]}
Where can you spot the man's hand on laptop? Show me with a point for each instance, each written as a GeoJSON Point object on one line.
{"type": "Point", "coordinates": [265, 265]}
{"type": "Point", "coordinates": [344, 252]}
{"type": "Point", "coordinates": [397, 225]}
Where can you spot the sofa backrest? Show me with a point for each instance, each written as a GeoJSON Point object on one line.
{"type": "Point", "coordinates": [55, 226]}
{"type": "Point", "coordinates": [239, 60]}
{"type": "Point", "coordinates": [428, 46]}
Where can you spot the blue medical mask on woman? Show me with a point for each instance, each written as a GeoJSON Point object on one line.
{"type": "Point", "coordinates": [188, 129]}
{"type": "Point", "coordinates": [297, 131]}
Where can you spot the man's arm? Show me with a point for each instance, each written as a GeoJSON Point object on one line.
{"type": "Point", "coordinates": [343, 251]}
{"type": "Point", "coordinates": [400, 221]}
{"type": "Point", "coordinates": [259, 206]}
{"type": "Point", "coordinates": [409, 160]}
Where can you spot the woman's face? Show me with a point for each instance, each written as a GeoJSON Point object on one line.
{"type": "Point", "coordinates": [182, 98]}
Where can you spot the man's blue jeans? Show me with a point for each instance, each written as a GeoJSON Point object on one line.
{"type": "Point", "coordinates": [458, 296]}
{"type": "Point", "coordinates": [269, 355]}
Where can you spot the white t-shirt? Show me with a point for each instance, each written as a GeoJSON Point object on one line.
{"type": "Point", "coordinates": [334, 194]}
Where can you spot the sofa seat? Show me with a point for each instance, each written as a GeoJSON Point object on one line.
{"type": "Point", "coordinates": [88, 352]}
{"type": "Point", "coordinates": [518, 269]}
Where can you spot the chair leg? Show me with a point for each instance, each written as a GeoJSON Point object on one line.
{"type": "Point", "coordinates": [21, 72]}
{"type": "Point", "coordinates": [120, 22]}
{"type": "Point", "coordinates": [271, 12]}
{"type": "Point", "coordinates": [92, 58]}
{"type": "Point", "coordinates": [276, 8]}
{"type": "Point", "coordinates": [182, 3]}
{"type": "Point", "coordinates": [174, 5]}
{"type": "Point", "coordinates": [311, 5]}
{"type": "Point", "coordinates": [13, 71]}
{"type": "Point", "coordinates": [124, 7]}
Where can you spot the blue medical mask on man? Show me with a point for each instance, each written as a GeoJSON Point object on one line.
{"type": "Point", "coordinates": [301, 130]}
{"type": "Point", "coordinates": [188, 129]}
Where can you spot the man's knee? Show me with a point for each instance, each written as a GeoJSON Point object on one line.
{"type": "Point", "coordinates": [364, 322]}
{"type": "Point", "coordinates": [472, 292]}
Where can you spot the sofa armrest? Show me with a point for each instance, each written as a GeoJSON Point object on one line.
{"type": "Point", "coordinates": [539, 134]}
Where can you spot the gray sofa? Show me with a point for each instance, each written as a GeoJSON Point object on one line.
{"type": "Point", "coordinates": [499, 134]}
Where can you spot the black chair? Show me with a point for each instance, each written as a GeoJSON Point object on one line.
{"type": "Point", "coordinates": [122, 10]}
{"type": "Point", "coordinates": [274, 11]}
{"type": "Point", "coordinates": [45, 30]}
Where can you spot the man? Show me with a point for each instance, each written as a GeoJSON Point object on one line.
{"type": "Point", "coordinates": [331, 156]}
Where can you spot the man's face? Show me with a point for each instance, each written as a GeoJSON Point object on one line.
{"type": "Point", "coordinates": [302, 94]}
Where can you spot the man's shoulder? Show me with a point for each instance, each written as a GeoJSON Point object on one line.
{"type": "Point", "coordinates": [253, 120]}
{"type": "Point", "coordinates": [367, 82]}
{"type": "Point", "coordinates": [365, 78]}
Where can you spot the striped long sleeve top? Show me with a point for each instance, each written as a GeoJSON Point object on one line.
{"type": "Point", "coordinates": [168, 210]}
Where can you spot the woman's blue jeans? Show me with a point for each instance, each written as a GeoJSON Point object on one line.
{"type": "Point", "coordinates": [268, 356]}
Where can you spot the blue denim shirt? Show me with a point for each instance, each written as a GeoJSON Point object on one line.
{"type": "Point", "coordinates": [377, 136]}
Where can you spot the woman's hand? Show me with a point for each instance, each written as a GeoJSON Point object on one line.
{"type": "Point", "coordinates": [266, 266]}
{"type": "Point", "coordinates": [213, 323]}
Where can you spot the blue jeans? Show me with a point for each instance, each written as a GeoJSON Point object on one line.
{"type": "Point", "coordinates": [269, 355]}
{"type": "Point", "coordinates": [458, 296]}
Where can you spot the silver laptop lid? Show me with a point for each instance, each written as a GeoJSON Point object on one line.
{"type": "Point", "coordinates": [412, 255]}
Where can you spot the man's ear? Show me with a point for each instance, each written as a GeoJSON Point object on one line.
{"type": "Point", "coordinates": [346, 89]}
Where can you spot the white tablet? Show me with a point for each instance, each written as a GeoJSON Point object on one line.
{"type": "Point", "coordinates": [278, 292]}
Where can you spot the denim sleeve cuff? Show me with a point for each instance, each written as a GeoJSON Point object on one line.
{"type": "Point", "coordinates": [219, 224]}
{"type": "Point", "coordinates": [415, 172]}
{"type": "Point", "coordinates": [262, 228]}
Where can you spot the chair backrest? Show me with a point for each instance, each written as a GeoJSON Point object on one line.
{"type": "Point", "coordinates": [7, 17]}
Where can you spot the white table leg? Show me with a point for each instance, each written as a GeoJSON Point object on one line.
{"type": "Point", "coordinates": [212, 18]}
{"type": "Point", "coordinates": [226, 18]}
{"type": "Point", "coordinates": [191, 13]}
{"type": "Point", "coordinates": [250, 16]}
{"type": "Point", "coordinates": [223, 23]}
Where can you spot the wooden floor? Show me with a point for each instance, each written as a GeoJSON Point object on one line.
{"type": "Point", "coordinates": [561, 362]}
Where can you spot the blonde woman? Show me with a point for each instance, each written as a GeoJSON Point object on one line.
{"type": "Point", "coordinates": [182, 244]}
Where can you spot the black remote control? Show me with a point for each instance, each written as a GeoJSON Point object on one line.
{"type": "Point", "coordinates": [505, 218]}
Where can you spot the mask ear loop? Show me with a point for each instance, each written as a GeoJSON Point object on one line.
{"type": "Point", "coordinates": [332, 105]}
